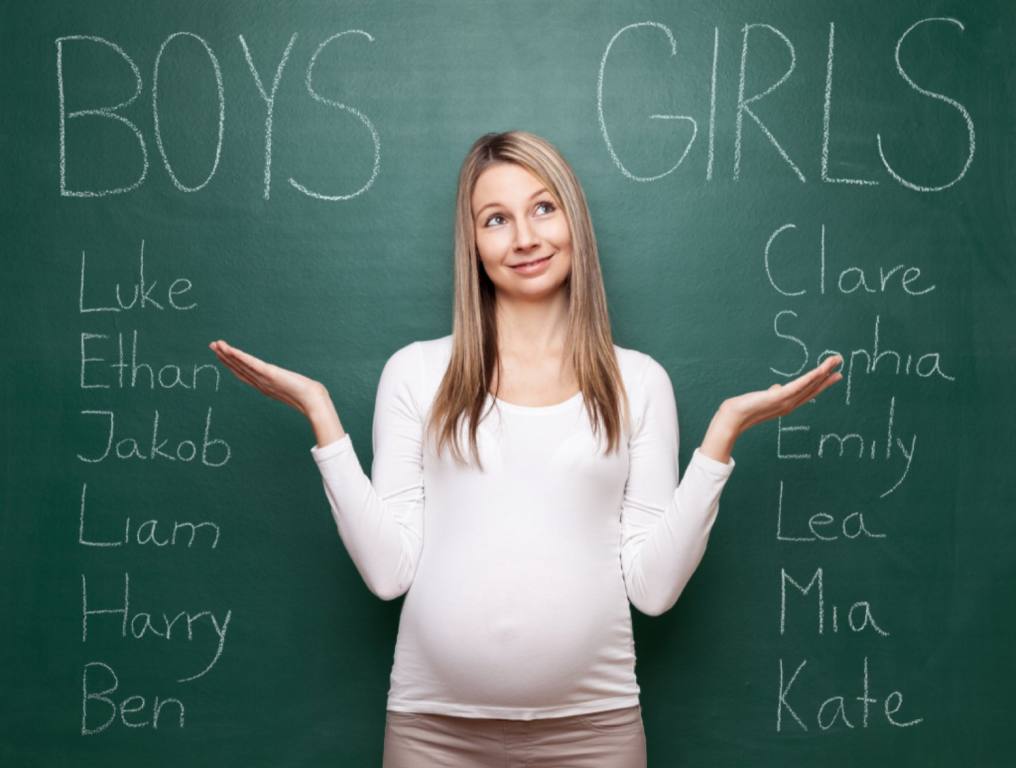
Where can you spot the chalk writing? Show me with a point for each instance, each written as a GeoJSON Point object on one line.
{"type": "Point", "coordinates": [925, 366]}
{"type": "Point", "coordinates": [147, 532]}
{"type": "Point", "coordinates": [141, 297]}
{"type": "Point", "coordinates": [129, 706]}
{"type": "Point", "coordinates": [168, 376]}
{"type": "Point", "coordinates": [747, 104]}
{"type": "Point", "coordinates": [834, 708]}
{"type": "Point", "coordinates": [102, 530]}
{"type": "Point", "coordinates": [822, 526]}
{"type": "Point", "coordinates": [803, 587]}
{"type": "Point", "coordinates": [142, 624]}
{"type": "Point", "coordinates": [185, 450]}
{"type": "Point", "coordinates": [113, 112]}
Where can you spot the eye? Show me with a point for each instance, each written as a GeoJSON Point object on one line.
{"type": "Point", "coordinates": [544, 203]}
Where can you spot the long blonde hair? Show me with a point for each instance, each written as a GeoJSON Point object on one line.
{"type": "Point", "coordinates": [464, 389]}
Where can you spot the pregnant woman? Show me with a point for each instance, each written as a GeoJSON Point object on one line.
{"type": "Point", "coordinates": [524, 487]}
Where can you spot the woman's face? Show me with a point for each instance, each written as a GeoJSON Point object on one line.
{"type": "Point", "coordinates": [518, 221]}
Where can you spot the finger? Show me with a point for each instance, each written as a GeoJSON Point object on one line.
{"type": "Point", "coordinates": [242, 362]}
{"type": "Point", "coordinates": [799, 391]}
{"type": "Point", "coordinates": [801, 384]}
{"type": "Point", "coordinates": [832, 379]}
{"type": "Point", "coordinates": [232, 363]}
{"type": "Point", "coordinates": [813, 392]}
{"type": "Point", "coordinates": [813, 378]}
{"type": "Point", "coordinates": [257, 381]}
{"type": "Point", "coordinates": [827, 366]}
{"type": "Point", "coordinates": [830, 374]}
{"type": "Point", "coordinates": [789, 396]}
{"type": "Point", "coordinates": [818, 382]}
{"type": "Point", "coordinates": [238, 370]}
{"type": "Point", "coordinates": [224, 349]}
{"type": "Point", "coordinates": [243, 371]}
{"type": "Point", "coordinates": [255, 363]}
{"type": "Point", "coordinates": [260, 384]}
{"type": "Point", "coordinates": [815, 388]}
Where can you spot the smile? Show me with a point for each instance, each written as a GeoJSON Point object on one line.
{"type": "Point", "coordinates": [533, 266]}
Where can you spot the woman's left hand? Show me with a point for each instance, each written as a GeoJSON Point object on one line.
{"type": "Point", "coordinates": [738, 414]}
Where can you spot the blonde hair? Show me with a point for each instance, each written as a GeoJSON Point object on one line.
{"type": "Point", "coordinates": [464, 389]}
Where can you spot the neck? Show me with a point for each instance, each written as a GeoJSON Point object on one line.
{"type": "Point", "coordinates": [532, 328]}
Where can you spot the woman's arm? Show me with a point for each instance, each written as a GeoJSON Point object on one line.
{"type": "Point", "coordinates": [324, 419]}
{"type": "Point", "coordinates": [666, 524]}
{"type": "Point", "coordinates": [380, 522]}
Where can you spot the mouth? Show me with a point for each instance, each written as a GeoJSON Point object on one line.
{"type": "Point", "coordinates": [533, 263]}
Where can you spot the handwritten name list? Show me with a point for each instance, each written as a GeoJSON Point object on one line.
{"type": "Point", "coordinates": [130, 608]}
{"type": "Point", "coordinates": [816, 602]}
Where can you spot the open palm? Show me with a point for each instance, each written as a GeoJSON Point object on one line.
{"type": "Point", "coordinates": [780, 399]}
{"type": "Point", "coordinates": [292, 388]}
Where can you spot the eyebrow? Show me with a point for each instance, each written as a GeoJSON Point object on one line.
{"type": "Point", "coordinates": [488, 205]}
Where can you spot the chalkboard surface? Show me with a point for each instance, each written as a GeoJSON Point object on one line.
{"type": "Point", "coordinates": [768, 181]}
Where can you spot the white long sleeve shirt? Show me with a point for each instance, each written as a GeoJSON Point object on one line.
{"type": "Point", "coordinates": [517, 579]}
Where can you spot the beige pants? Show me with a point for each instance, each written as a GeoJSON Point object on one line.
{"type": "Point", "coordinates": [611, 739]}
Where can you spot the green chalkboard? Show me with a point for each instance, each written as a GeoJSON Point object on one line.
{"type": "Point", "coordinates": [768, 181]}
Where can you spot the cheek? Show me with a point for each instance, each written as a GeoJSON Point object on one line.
{"type": "Point", "coordinates": [490, 246]}
{"type": "Point", "coordinates": [560, 235]}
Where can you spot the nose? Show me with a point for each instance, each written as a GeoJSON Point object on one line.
{"type": "Point", "coordinates": [525, 237]}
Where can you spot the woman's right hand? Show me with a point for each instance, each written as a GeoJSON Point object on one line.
{"type": "Point", "coordinates": [306, 395]}
{"type": "Point", "coordinates": [289, 387]}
